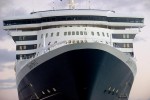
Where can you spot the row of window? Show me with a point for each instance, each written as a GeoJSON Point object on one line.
{"type": "Point", "coordinates": [26, 47]}
{"type": "Point", "coordinates": [25, 56]}
{"type": "Point", "coordinates": [24, 38]}
{"type": "Point", "coordinates": [123, 36]}
{"type": "Point", "coordinates": [77, 33]}
{"type": "Point", "coordinates": [123, 45]}
{"type": "Point", "coordinates": [74, 17]}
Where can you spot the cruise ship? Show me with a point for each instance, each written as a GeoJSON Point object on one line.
{"type": "Point", "coordinates": [74, 54]}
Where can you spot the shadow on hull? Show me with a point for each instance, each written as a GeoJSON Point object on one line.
{"type": "Point", "coordinates": [85, 74]}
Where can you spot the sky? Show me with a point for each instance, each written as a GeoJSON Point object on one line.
{"type": "Point", "coordinates": [141, 87]}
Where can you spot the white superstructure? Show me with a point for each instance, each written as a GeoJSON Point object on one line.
{"type": "Point", "coordinates": [44, 31]}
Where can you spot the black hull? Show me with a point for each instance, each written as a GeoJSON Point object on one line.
{"type": "Point", "coordinates": [85, 74]}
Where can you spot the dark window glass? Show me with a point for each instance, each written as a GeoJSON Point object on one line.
{"type": "Point", "coordinates": [69, 33]}
{"type": "Point", "coordinates": [25, 38]}
{"type": "Point", "coordinates": [103, 34]}
{"type": "Point", "coordinates": [124, 19]}
{"type": "Point", "coordinates": [77, 32]}
{"type": "Point", "coordinates": [123, 45]}
{"type": "Point", "coordinates": [41, 36]}
{"type": "Point", "coordinates": [81, 32]}
{"type": "Point", "coordinates": [123, 36]}
{"type": "Point", "coordinates": [46, 35]}
{"type": "Point", "coordinates": [26, 47]}
{"type": "Point", "coordinates": [57, 33]}
{"type": "Point", "coordinates": [107, 35]}
{"type": "Point", "coordinates": [65, 18]}
{"type": "Point", "coordinates": [85, 33]}
{"type": "Point", "coordinates": [92, 33]}
{"type": "Point", "coordinates": [25, 56]}
{"type": "Point", "coordinates": [68, 18]}
{"type": "Point", "coordinates": [73, 33]}
{"type": "Point", "coordinates": [98, 33]}
{"type": "Point", "coordinates": [52, 34]}
{"type": "Point", "coordinates": [65, 33]}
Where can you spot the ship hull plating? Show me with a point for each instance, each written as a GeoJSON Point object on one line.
{"type": "Point", "coordinates": [83, 74]}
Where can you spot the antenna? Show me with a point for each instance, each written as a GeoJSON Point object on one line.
{"type": "Point", "coordinates": [89, 4]}
{"type": "Point", "coordinates": [53, 5]}
{"type": "Point", "coordinates": [71, 4]}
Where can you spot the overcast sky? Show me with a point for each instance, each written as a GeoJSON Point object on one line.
{"type": "Point", "coordinates": [141, 86]}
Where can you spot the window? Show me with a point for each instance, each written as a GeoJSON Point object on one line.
{"type": "Point", "coordinates": [77, 32]}
{"type": "Point", "coordinates": [85, 33]}
{"type": "Point", "coordinates": [20, 47]}
{"type": "Point", "coordinates": [73, 33]}
{"type": "Point", "coordinates": [103, 33]}
{"type": "Point", "coordinates": [52, 34]}
{"type": "Point", "coordinates": [92, 33]}
{"type": "Point", "coordinates": [79, 17]}
{"type": "Point", "coordinates": [57, 33]}
{"type": "Point", "coordinates": [20, 38]}
{"type": "Point", "coordinates": [41, 36]}
{"type": "Point", "coordinates": [81, 33]}
{"type": "Point", "coordinates": [24, 47]}
{"type": "Point", "coordinates": [25, 56]}
{"type": "Point", "coordinates": [127, 36]}
{"type": "Point", "coordinates": [128, 45]}
{"type": "Point", "coordinates": [24, 38]}
{"type": "Point", "coordinates": [69, 33]}
{"type": "Point", "coordinates": [124, 36]}
{"type": "Point", "coordinates": [98, 34]}
{"type": "Point", "coordinates": [124, 45]}
{"type": "Point", "coordinates": [46, 35]}
{"type": "Point", "coordinates": [35, 46]}
{"type": "Point", "coordinates": [107, 35]}
{"type": "Point", "coordinates": [65, 33]}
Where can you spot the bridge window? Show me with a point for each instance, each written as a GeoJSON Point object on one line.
{"type": "Point", "coordinates": [25, 56]}
{"type": "Point", "coordinates": [26, 47]}
{"type": "Point", "coordinates": [123, 45]}
{"type": "Point", "coordinates": [123, 36]}
{"type": "Point", "coordinates": [25, 38]}
{"type": "Point", "coordinates": [75, 17]}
